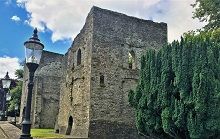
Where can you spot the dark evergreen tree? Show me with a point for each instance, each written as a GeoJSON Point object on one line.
{"type": "Point", "coordinates": [178, 91]}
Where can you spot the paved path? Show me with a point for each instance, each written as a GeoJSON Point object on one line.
{"type": "Point", "coordinates": [9, 131]}
{"type": "Point", "coordinates": [2, 134]}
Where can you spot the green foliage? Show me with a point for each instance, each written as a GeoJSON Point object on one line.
{"type": "Point", "coordinates": [208, 11]}
{"type": "Point", "coordinates": [19, 73]}
{"type": "Point", "coordinates": [130, 98]}
{"type": "Point", "coordinates": [15, 96]}
{"type": "Point", "coordinates": [177, 95]}
{"type": "Point", "coordinates": [213, 35]}
{"type": "Point", "coordinates": [16, 91]}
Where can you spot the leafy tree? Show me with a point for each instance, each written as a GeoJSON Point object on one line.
{"type": "Point", "coordinates": [15, 96]}
{"type": "Point", "coordinates": [16, 91]}
{"type": "Point", "coordinates": [178, 91]}
{"type": "Point", "coordinates": [19, 73]}
{"type": "Point", "coordinates": [208, 11]}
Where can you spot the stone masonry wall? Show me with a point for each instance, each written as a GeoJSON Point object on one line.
{"type": "Point", "coordinates": [114, 36]}
{"type": "Point", "coordinates": [75, 87]}
{"type": "Point", "coordinates": [89, 99]}
{"type": "Point", "coordinates": [45, 97]}
{"type": "Point", "coordinates": [94, 94]}
{"type": "Point", "coordinates": [24, 94]}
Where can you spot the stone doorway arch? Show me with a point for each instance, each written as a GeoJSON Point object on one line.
{"type": "Point", "coordinates": [70, 125]}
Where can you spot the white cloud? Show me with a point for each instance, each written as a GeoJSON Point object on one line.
{"type": "Point", "coordinates": [26, 22]}
{"type": "Point", "coordinates": [65, 18]}
{"type": "Point", "coordinates": [8, 64]}
{"type": "Point", "coordinates": [178, 16]}
{"type": "Point", "coordinates": [15, 18]}
{"type": "Point", "coordinates": [21, 3]}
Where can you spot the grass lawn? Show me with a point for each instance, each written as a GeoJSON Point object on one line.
{"type": "Point", "coordinates": [45, 133]}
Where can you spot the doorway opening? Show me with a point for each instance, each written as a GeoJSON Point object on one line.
{"type": "Point", "coordinates": [70, 125]}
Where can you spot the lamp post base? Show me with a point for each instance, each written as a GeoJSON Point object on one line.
{"type": "Point", "coordinates": [4, 118]}
{"type": "Point", "coordinates": [26, 137]}
{"type": "Point", "coordinates": [26, 130]}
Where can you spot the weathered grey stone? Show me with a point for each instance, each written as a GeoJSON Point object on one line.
{"type": "Point", "coordinates": [102, 110]}
{"type": "Point", "coordinates": [46, 91]}
{"type": "Point", "coordinates": [93, 101]}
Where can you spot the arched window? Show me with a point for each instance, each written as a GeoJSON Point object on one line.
{"type": "Point", "coordinates": [131, 60]}
{"type": "Point", "coordinates": [102, 80]}
{"type": "Point", "coordinates": [79, 55]}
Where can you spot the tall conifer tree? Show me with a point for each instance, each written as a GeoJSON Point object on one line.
{"type": "Point", "coordinates": [178, 91]}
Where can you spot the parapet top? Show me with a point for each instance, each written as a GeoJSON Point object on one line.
{"type": "Point", "coordinates": [96, 9]}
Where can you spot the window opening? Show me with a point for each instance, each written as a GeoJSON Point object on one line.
{"type": "Point", "coordinates": [79, 56]}
{"type": "Point", "coordinates": [131, 60]}
{"type": "Point", "coordinates": [102, 80]}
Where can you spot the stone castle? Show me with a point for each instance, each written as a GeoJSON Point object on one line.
{"type": "Point", "coordinates": [84, 93]}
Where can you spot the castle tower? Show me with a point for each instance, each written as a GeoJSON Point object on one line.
{"type": "Point", "coordinates": [100, 68]}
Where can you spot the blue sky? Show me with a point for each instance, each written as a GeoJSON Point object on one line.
{"type": "Point", "coordinates": [14, 33]}
{"type": "Point", "coordinates": [59, 21]}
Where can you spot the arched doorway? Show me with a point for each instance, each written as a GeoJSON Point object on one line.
{"type": "Point", "coordinates": [70, 125]}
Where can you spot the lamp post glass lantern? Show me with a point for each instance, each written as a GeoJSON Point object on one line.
{"type": "Point", "coordinates": [33, 52]}
{"type": "Point", "coordinates": [33, 49]}
{"type": "Point", "coordinates": [8, 98]}
{"type": "Point", "coordinates": [6, 82]}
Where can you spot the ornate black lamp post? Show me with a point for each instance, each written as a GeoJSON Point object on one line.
{"type": "Point", "coordinates": [16, 109]}
{"type": "Point", "coordinates": [6, 82]}
{"type": "Point", "coordinates": [33, 49]}
{"type": "Point", "coordinates": [8, 98]}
